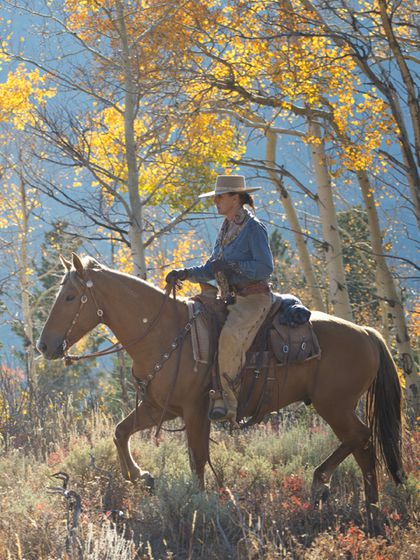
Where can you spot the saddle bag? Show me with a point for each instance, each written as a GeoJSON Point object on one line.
{"type": "Point", "coordinates": [292, 345]}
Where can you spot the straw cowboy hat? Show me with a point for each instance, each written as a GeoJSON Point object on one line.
{"type": "Point", "coordinates": [230, 184]}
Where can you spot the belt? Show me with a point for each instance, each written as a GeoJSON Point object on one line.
{"type": "Point", "coordinates": [260, 287]}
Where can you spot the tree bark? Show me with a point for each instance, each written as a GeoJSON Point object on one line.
{"type": "Point", "coordinates": [23, 267]}
{"type": "Point", "coordinates": [304, 257]}
{"type": "Point", "coordinates": [383, 305]}
{"type": "Point", "coordinates": [412, 103]}
{"type": "Point", "coordinates": [339, 297]}
{"type": "Point", "coordinates": [136, 205]}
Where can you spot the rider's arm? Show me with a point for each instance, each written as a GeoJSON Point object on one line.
{"type": "Point", "coordinates": [204, 273]}
{"type": "Point", "coordinates": [252, 254]}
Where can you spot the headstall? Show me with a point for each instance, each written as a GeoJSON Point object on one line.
{"type": "Point", "coordinates": [116, 347]}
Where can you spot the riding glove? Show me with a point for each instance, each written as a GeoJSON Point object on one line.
{"type": "Point", "coordinates": [176, 276]}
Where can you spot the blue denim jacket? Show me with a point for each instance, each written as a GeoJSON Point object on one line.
{"type": "Point", "coordinates": [250, 252]}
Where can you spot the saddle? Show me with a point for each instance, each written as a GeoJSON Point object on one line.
{"type": "Point", "coordinates": [275, 341]}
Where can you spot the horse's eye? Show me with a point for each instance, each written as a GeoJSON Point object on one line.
{"type": "Point", "coordinates": [70, 298]}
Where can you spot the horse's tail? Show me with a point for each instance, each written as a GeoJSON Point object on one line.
{"type": "Point", "coordinates": [384, 409]}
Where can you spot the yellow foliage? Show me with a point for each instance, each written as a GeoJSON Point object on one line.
{"type": "Point", "coordinates": [205, 140]}
{"type": "Point", "coordinates": [415, 321]}
{"type": "Point", "coordinates": [20, 93]}
{"type": "Point", "coordinates": [252, 55]}
{"type": "Point", "coordinates": [106, 142]}
{"type": "Point", "coordinates": [15, 207]}
{"type": "Point", "coordinates": [159, 262]}
{"type": "Point", "coordinates": [123, 259]}
{"type": "Point", "coordinates": [188, 249]}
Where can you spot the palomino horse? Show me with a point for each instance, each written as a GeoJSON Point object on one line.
{"type": "Point", "coordinates": [354, 360]}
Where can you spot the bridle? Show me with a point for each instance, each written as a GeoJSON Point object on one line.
{"type": "Point", "coordinates": [70, 358]}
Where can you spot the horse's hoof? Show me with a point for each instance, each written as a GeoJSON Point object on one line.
{"type": "Point", "coordinates": [375, 528]}
{"type": "Point", "coordinates": [320, 495]}
{"type": "Point", "coordinates": [218, 413]}
{"type": "Point", "coordinates": [375, 521]}
{"type": "Point", "coordinates": [131, 476]}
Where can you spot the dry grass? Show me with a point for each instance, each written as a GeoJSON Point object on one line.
{"type": "Point", "coordinates": [261, 511]}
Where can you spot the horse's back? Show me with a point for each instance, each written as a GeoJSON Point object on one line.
{"type": "Point", "coordinates": [331, 327]}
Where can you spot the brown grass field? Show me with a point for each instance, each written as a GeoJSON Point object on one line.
{"type": "Point", "coordinates": [261, 510]}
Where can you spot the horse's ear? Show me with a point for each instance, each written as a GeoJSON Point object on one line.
{"type": "Point", "coordinates": [77, 263]}
{"type": "Point", "coordinates": [65, 263]}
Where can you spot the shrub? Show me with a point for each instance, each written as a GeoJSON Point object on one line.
{"type": "Point", "coordinates": [261, 510]}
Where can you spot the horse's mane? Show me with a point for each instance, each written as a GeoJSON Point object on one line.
{"type": "Point", "coordinates": [91, 263]}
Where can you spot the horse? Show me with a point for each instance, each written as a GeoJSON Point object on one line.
{"type": "Point", "coordinates": [150, 325]}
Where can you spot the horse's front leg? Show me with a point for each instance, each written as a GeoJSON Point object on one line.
{"type": "Point", "coordinates": [145, 416]}
{"type": "Point", "coordinates": [197, 427]}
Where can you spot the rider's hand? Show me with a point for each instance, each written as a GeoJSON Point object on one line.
{"type": "Point", "coordinates": [176, 276]}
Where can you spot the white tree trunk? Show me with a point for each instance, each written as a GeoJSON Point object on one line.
{"type": "Point", "coordinates": [412, 102]}
{"type": "Point", "coordinates": [382, 305]}
{"type": "Point", "coordinates": [23, 267]}
{"type": "Point", "coordinates": [394, 306]}
{"type": "Point", "coordinates": [136, 205]}
{"type": "Point", "coordinates": [304, 257]}
{"type": "Point", "coordinates": [339, 297]}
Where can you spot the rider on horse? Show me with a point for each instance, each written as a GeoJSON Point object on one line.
{"type": "Point", "coordinates": [242, 263]}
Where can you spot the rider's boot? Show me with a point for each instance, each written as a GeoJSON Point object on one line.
{"type": "Point", "coordinates": [225, 404]}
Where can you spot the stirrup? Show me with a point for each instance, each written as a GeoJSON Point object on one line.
{"type": "Point", "coordinates": [219, 411]}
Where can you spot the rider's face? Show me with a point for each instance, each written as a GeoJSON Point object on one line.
{"type": "Point", "coordinates": [227, 204]}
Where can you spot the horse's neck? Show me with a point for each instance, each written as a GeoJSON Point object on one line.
{"type": "Point", "coordinates": [134, 307]}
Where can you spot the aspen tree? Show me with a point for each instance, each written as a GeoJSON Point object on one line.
{"type": "Point", "coordinates": [20, 94]}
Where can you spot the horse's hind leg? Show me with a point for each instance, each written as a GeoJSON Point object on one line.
{"type": "Point", "coordinates": [145, 416]}
{"type": "Point", "coordinates": [197, 427]}
{"type": "Point", "coordinates": [353, 435]}
{"type": "Point", "coordinates": [366, 460]}
{"type": "Point", "coordinates": [322, 475]}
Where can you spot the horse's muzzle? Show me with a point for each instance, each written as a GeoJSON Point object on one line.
{"type": "Point", "coordinates": [50, 351]}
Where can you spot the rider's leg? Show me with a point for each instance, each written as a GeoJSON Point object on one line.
{"type": "Point", "coordinates": [244, 319]}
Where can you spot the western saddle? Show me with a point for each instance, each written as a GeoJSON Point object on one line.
{"type": "Point", "coordinates": [276, 342]}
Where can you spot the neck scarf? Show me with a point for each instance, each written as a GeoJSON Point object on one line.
{"type": "Point", "coordinates": [232, 228]}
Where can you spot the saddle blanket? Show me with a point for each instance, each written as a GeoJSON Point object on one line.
{"type": "Point", "coordinates": [288, 344]}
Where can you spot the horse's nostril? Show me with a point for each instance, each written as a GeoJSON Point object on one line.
{"type": "Point", "coordinates": [42, 347]}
